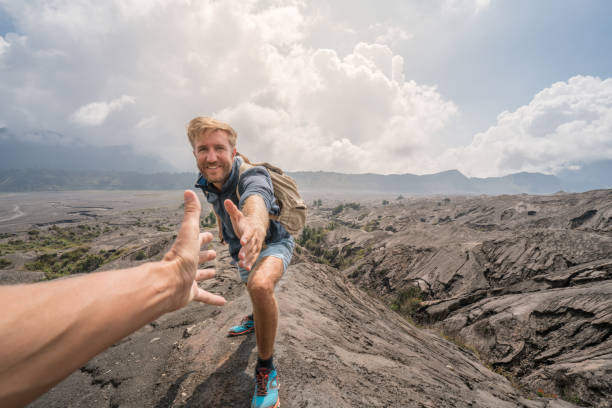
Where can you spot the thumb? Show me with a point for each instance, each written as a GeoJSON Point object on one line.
{"type": "Point", "coordinates": [189, 230]}
{"type": "Point", "coordinates": [192, 204]}
{"type": "Point", "coordinates": [232, 210]}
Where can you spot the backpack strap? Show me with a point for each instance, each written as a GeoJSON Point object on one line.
{"type": "Point", "coordinates": [219, 227]}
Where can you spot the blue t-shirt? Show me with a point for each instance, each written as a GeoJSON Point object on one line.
{"type": "Point", "coordinates": [255, 180]}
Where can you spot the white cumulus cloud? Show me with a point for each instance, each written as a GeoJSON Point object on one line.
{"type": "Point", "coordinates": [351, 114]}
{"type": "Point", "coordinates": [567, 123]}
{"type": "Point", "coordinates": [248, 62]}
{"type": "Point", "coordinates": [4, 46]}
{"type": "Point", "coordinates": [465, 6]}
{"type": "Point", "coordinates": [95, 113]}
{"type": "Point", "coordinates": [388, 34]}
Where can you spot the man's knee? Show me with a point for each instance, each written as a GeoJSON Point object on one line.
{"type": "Point", "coordinates": [259, 286]}
{"type": "Point", "coordinates": [264, 278]}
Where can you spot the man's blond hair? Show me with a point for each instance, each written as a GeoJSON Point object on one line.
{"type": "Point", "coordinates": [201, 124]}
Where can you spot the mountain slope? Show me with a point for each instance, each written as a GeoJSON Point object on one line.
{"type": "Point", "coordinates": [336, 347]}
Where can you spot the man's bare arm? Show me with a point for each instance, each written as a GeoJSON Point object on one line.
{"type": "Point", "coordinates": [47, 330]}
{"type": "Point", "coordinates": [250, 225]}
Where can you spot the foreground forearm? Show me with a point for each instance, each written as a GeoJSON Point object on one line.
{"type": "Point", "coordinates": [67, 322]}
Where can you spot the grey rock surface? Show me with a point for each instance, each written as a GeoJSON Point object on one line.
{"type": "Point", "coordinates": [511, 296]}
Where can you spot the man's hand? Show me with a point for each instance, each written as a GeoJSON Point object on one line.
{"type": "Point", "coordinates": [185, 255]}
{"type": "Point", "coordinates": [250, 231]}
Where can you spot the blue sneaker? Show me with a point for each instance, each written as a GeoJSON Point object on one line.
{"type": "Point", "coordinates": [247, 325]}
{"type": "Point", "coordinates": [266, 389]}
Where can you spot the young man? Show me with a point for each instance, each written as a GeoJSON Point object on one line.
{"type": "Point", "coordinates": [261, 247]}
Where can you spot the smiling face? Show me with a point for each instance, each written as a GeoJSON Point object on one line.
{"type": "Point", "coordinates": [214, 156]}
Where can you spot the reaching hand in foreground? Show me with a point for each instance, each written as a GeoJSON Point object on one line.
{"type": "Point", "coordinates": [184, 256]}
{"type": "Point", "coordinates": [49, 329]}
{"type": "Point", "coordinates": [249, 227]}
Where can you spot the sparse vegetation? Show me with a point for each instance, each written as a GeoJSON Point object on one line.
{"type": "Point", "coordinates": [317, 203]}
{"type": "Point", "coordinates": [4, 263]}
{"type": "Point", "coordinates": [400, 197]}
{"type": "Point", "coordinates": [372, 225]}
{"type": "Point", "coordinates": [340, 207]}
{"type": "Point", "coordinates": [570, 396]}
{"type": "Point", "coordinates": [54, 239]}
{"type": "Point", "coordinates": [385, 202]}
{"type": "Point", "coordinates": [542, 394]}
{"type": "Point", "coordinates": [79, 260]}
{"type": "Point", "coordinates": [76, 261]}
{"type": "Point", "coordinates": [209, 221]}
{"type": "Point", "coordinates": [140, 255]}
{"type": "Point", "coordinates": [408, 301]}
{"type": "Point", "coordinates": [313, 239]}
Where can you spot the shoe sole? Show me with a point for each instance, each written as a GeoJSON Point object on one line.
{"type": "Point", "coordinates": [277, 404]}
{"type": "Point", "coordinates": [234, 334]}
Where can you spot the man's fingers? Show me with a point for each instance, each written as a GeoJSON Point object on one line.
{"type": "Point", "coordinates": [203, 274]}
{"type": "Point", "coordinates": [206, 256]}
{"type": "Point", "coordinates": [205, 238]}
{"type": "Point", "coordinates": [246, 237]}
{"type": "Point", "coordinates": [232, 210]}
{"type": "Point", "coordinates": [208, 298]}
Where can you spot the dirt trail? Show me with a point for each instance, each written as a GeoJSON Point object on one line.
{"type": "Point", "coordinates": [16, 214]}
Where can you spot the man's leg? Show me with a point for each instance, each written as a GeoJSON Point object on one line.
{"type": "Point", "coordinates": [262, 281]}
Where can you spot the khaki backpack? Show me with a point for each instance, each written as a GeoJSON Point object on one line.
{"type": "Point", "coordinates": [292, 207]}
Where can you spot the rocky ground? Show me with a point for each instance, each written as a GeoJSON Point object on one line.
{"type": "Point", "coordinates": [524, 281]}
{"type": "Point", "coordinates": [390, 301]}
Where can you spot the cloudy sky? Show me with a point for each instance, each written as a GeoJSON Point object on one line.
{"type": "Point", "coordinates": [488, 87]}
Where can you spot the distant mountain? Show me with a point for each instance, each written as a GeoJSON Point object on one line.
{"type": "Point", "coordinates": [49, 150]}
{"type": "Point", "coordinates": [448, 182]}
{"type": "Point", "coordinates": [58, 180]}
{"type": "Point", "coordinates": [51, 161]}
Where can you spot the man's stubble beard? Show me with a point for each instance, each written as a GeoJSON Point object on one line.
{"type": "Point", "coordinates": [224, 176]}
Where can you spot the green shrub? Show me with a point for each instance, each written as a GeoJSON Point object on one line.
{"type": "Point", "coordinates": [408, 300]}
{"type": "Point", "coordinates": [209, 221]}
{"type": "Point", "coordinates": [5, 263]}
{"type": "Point", "coordinates": [76, 261]}
{"type": "Point", "coordinates": [140, 255]}
{"type": "Point", "coordinates": [340, 207]}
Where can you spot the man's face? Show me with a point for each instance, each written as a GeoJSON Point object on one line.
{"type": "Point", "coordinates": [214, 156]}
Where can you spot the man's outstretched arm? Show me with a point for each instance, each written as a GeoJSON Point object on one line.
{"type": "Point", "coordinates": [250, 225]}
{"type": "Point", "coordinates": [47, 330]}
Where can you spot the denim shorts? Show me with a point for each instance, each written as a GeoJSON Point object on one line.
{"type": "Point", "coordinates": [282, 250]}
